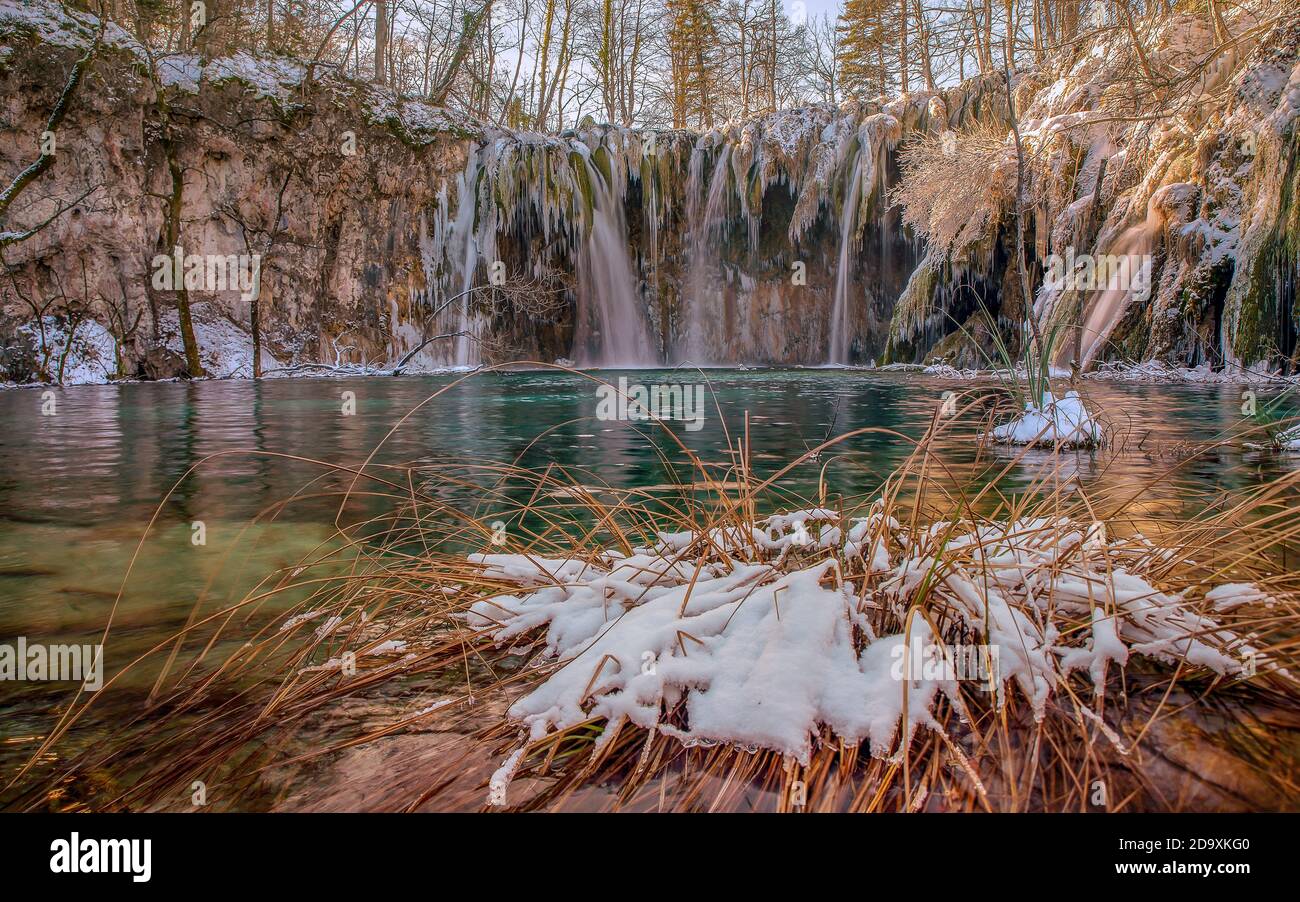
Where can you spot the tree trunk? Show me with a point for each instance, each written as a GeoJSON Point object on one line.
{"type": "Point", "coordinates": [255, 326]}
{"type": "Point", "coordinates": [186, 38]}
{"type": "Point", "coordinates": [172, 223]}
{"type": "Point", "coordinates": [213, 37]}
{"type": "Point", "coordinates": [174, 209]}
{"type": "Point", "coordinates": [605, 56]}
{"type": "Point", "coordinates": [988, 33]}
{"type": "Point", "coordinates": [923, 41]}
{"type": "Point", "coordinates": [902, 49]}
{"type": "Point", "coordinates": [381, 41]}
{"type": "Point", "coordinates": [1009, 52]}
{"type": "Point", "coordinates": [548, 22]}
{"type": "Point", "coordinates": [1137, 42]}
{"type": "Point", "coordinates": [468, 34]}
{"type": "Point", "coordinates": [1221, 33]}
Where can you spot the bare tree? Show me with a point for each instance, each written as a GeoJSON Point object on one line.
{"type": "Point", "coordinates": [48, 146]}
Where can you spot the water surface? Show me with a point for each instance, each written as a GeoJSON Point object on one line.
{"type": "Point", "coordinates": [78, 487]}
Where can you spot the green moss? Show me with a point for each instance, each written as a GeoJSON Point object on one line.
{"type": "Point", "coordinates": [1256, 311]}
{"type": "Point", "coordinates": [1259, 315]}
{"type": "Point", "coordinates": [584, 182]}
{"type": "Point", "coordinates": [952, 347]}
{"type": "Point", "coordinates": [395, 127]}
{"type": "Point", "coordinates": [910, 309]}
{"type": "Point", "coordinates": [1131, 336]}
{"type": "Point", "coordinates": [600, 159]}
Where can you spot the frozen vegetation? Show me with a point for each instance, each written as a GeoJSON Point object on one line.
{"type": "Point", "coordinates": [754, 649]}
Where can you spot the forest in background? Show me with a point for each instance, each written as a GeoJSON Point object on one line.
{"type": "Point", "coordinates": [549, 64]}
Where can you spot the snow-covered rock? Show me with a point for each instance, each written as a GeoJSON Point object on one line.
{"type": "Point", "coordinates": [1056, 422]}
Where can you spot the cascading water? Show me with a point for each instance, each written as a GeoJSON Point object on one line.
{"type": "Point", "coordinates": [1127, 269]}
{"type": "Point", "coordinates": [449, 259]}
{"type": "Point", "coordinates": [839, 343]}
{"type": "Point", "coordinates": [612, 327]}
{"type": "Point", "coordinates": [466, 347]}
{"type": "Point", "coordinates": [704, 341]}
{"type": "Point", "coordinates": [556, 205]}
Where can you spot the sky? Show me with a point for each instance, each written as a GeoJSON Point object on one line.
{"type": "Point", "coordinates": [822, 7]}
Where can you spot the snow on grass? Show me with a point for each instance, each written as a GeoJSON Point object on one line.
{"type": "Point", "coordinates": [1154, 371]}
{"type": "Point", "coordinates": [759, 649]}
{"type": "Point", "coordinates": [1059, 422]}
{"type": "Point", "coordinates": [1289, 440]}
{"type": "Point", "coordinates": [1230, 596]}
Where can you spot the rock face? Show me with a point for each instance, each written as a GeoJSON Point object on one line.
{"type": "Point", "coordinates": [269, 170]}
{"type": "Point", "coordinates": [369, 228]}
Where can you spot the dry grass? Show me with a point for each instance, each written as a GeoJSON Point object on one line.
{"type": "Point", "coordinates": [260, 721]}
{"type": "Point", "coordinates": [954, 184]}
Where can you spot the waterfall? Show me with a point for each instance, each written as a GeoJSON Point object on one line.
{"type": "Point", "coordinates": [1127, 270]}
{"type": "Point", "coordinates": [704, 344]}
{"type": "Point", "coordinates": [466, 349]}
{"type": "Point", "coordinates": [612, 330]}
{"type": "Point", "coordinates": [839, 344]}
{"type": "Point", "coordinates": [559, 206]}
{"type": "Point", "coordinates": [448, 258]}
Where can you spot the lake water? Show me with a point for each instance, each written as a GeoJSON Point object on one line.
{"type": "Point", "coordinates": [79, 486]}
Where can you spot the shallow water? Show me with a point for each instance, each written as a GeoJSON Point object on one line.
{"type": "Point", "coordinates": [79, 487]}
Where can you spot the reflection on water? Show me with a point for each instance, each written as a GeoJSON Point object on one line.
{"type": "Point", "coordinates": [78, 488]}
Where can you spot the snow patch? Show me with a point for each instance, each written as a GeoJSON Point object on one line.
{"type": "Point", "coordinates": [1058, 422]}
{"type": "Point", "coordinates": [91, 359]}
{"type": "Point", "coordinates": [225, 349]}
